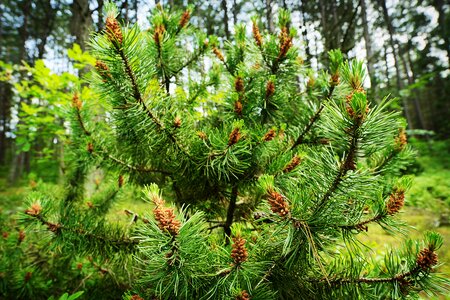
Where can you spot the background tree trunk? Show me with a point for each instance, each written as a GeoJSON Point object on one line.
{"type": "Point", "coordinates": [392, 43]}
{"type": "Point", "coordinates": [368, 44]}
{"type": "Point", "coordinates": [81, 22]}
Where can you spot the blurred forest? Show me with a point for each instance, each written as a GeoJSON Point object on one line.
{"type": "Point", "coordinates": [44, 59]}
{"type": "Point", "coordinates": [406, 46]}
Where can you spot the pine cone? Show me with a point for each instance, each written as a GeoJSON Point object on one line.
{"type": "Point", "coordinates": [239, 84]}
{"type": "Point", "coordinates": [238, 252]}
{"type": "Point", "coordinates": [102, 69]}
{"type": "Point", "coordinates": [238, 107]}
{"type": "Point", "coordinates": [257, 35]}
{"type": "Point", "coordinates": [270, 89]}
{"type": "Point", "coordinates": [427, 259]}
{"type": "Point", "coordinates": [90, 147]}
{"type": "Point", "coordinates": [270, 135]}
{"type": "Point", "coordinates": [177, 122]}
{"type": "Point", "coordinates": [285, 42]}
{"type": "Point", "coordinates": [34, 210]}
{"type": "Point", "coordinates": [113, 30]}
{"type": "Point", "coordinates": [278, 204]}
{"type": "Point", "coordinates": [395, 202]}
{"type": "Point", "coordinates": [295, 161]}
{"type": "Point", "coordinates": [165, 217]}
{"type": "Point", "coordinates": [120, 181]}
{"type": "Point", "coordinates": [235, 136]}
{"type": "Point", "coordinates": [335, 79]}
{"type": "Point", "coordinates": [158, 34]}
{"type": "Point", "coordinates": [76, 102]}
{"type": "Point", "coordinates": [202, 135]}
{"type": "Point", "coordinates": [243, 296]}
{"type": "Point", "coordinates": [184, 18]}
{"type": "Point", "coordinates": [401, 140]}
{"type": "Point", "coordinates": [218, 54]}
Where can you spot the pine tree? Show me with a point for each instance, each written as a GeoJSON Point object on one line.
{"type": "Point", "coordinates": [257, 187]}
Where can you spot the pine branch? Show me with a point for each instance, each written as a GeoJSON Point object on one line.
{"type": "Point", "coordinates": [137, 95]}
{"type": "Point", "coordinates": [80, 121]}
{"type": "Point", "coordinates": [58, 228]}
{"type": "Point", "coordinates": [313, 119]}
{"type": "Point", "coordinates": [230, 212]}
{"type": "Point", "coordinates": [346, 166]}
{"type": "Point", "coordinates": [363, 224]}
{"type": "Point", "coordinates": [138, 168]}
{"type": "Point", "coordinates": [389, 158]}
{"type": "Point", "coordinates": [401, 278]}
{"type": "Point", "coordinates": [197, 93]}
{"type": "Point", "coordinates": [191, 60]}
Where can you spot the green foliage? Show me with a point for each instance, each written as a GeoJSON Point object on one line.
{"type": "Point", "coordinates": [268, 189]}
{"type": "Point", "coordinates": [43, 111]}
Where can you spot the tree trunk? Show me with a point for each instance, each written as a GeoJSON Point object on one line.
{"type": "Point", "coordinates": [392, 43]}
{"type": "Point", "coordinates": [225, 18]}
{"type": "Point", "coordinates": [81, 22]}
{"type": "Point", "coordinates": [47, 25]}
{"type": "Point", "coordinates": [304, 32]}
{"type": "Point", "coordinates": [269, 16]}
{"type": "Point", "coordinates": [439, 6]}
{"type": "Point", "coordinates": [369, 54]}
{"type": "Point", "coordinates": [235, 12]}
{"type": "Point", "coordinates": [417, 107]}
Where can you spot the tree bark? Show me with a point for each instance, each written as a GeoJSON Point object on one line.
{"type": "Point", "coordinates": [225, 18]}
{"type": "Point", "coordinates": [368, 43]}
{"type": "Point", "coordinates": [304, 32]}
{"type": "Point", "coordinates": [269, 16]}
{"type": "Point", "coordinates": [81, 22]}
{"type": "Point", "coordinates": [48, 23]}
{"type": "Point", "coordinates": [439, 6]}
{"type": "Point", "coordinates": [392, 43]}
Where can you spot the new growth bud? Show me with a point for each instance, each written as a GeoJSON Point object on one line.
{"type": "Point", "coordinates": [184, 18]}
{"type": "Point", "coordinates": [295, 161]}
{"type": "Point", "coordinates": [354, 108]}
{"type": "Point", "coordinates": [218, 54]}
{"type": "Point", "coordinates": [243, 296]}
{"type": "Point", "coordinates": [285, 42]}
{"type": "Point", "coordinates": [270, 89]}
{"type": "Point", "coordinates": [395, 202]}
{"type": "Point", "coordinates": [113, 30]}
{"type": "Point", "coordinates": [270, 135]}
{"type": "Point", "coordinates": [257, 35]}
{"type": "Point", "coordinates": [165, 217]}
{"type": "Point", "coordinates": [34, 210]}
{"type": "Point", "coordinates": [426, 259]}
{"type": "Point", "coordinates": [277, 204]}
{"type": "Point", "coordinates": [239, 84]}
{"type": "Point", "coordinates": [235, 136]}
{"type": "Point", "coordinates": [239, 252]}
{"type": "Point", "coordinates": [238, 107]}
{"type": "Point", "coordinates": [401, 140]}
{"type": "Point", "coordinates": [76, 102]}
